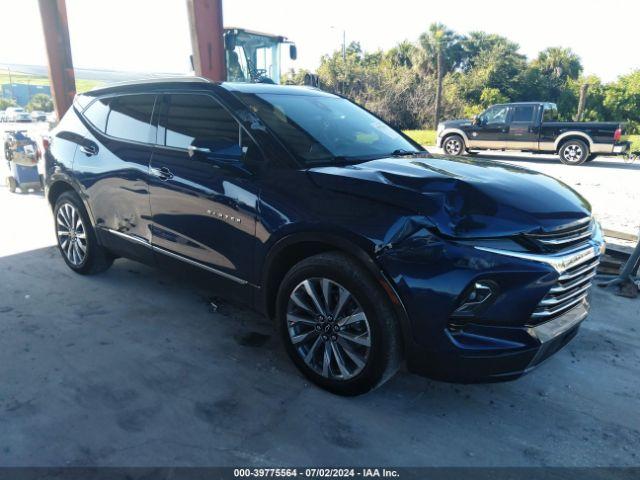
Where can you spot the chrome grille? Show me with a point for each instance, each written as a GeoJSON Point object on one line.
{"type": "Point", "coordinates": [571, 288]}
{"type": "Point", "coordinates": [569, 237]}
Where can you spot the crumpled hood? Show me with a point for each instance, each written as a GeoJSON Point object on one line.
{"type": "Point", "coordinates": [462, 197]}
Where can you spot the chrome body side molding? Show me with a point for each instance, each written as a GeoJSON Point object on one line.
{"type": "Point", "coordinates": [155, 248]}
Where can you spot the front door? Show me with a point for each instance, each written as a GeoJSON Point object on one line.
{"type": "Point", "coordinates": [203, 213]}
{"type": "Point", "coordinates": [490, 128]}
{"type": "Point", "coordinates": [522, 133]}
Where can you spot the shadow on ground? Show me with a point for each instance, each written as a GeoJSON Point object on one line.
{"type": "Point", "coordinates": [134, 367]}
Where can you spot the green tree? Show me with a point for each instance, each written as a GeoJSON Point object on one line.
{"type": "Point", "coordinates": [559, 63]}
{"type": "Point", "coordinates": [6, 103]}
{"type": "Point", "coordinates": [440, 52]}
{"type": "Point", "coordinates": [622, 100]}
{"type": "Point", "coordinates": [40, 101]}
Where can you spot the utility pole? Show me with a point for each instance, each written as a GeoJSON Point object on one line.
{"type": "Point", "coordinates": [344, 45]}
{"type": "Point", "coordinates": [440, 74]}
{"type": "Point", "coordinates": [10, 82]}
{"type": "Point", "coordinates": [582, 101]}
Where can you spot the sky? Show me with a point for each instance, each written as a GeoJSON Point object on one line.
{"type": "Point", "coordinates": [153, 35]}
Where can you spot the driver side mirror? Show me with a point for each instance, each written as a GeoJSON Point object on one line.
{"type": "Point", "coordinates": [476, 120]}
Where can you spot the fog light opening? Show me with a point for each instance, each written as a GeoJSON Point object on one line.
{"type": "Point", "coordinates": [476, 299]}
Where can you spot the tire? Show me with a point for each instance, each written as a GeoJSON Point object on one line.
{"type": "Point", "coordinates": [11, 182]}
{"type": "Point", "coordinates": [573, 152]}
{"type": "Point", "coordinates": [76, 237]}
{"type": "Point", "coordinates": [362, 344]}
{"type": "Point", "coordinates": [453, 145]}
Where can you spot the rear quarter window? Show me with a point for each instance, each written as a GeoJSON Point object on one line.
{"type": "Point", "coordinates": [130, 118]}
{"type": "Point", "coordinates": [97, 113]}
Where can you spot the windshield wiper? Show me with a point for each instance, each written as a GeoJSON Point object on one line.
{"type": "Point", "coordinates": [400, 152]}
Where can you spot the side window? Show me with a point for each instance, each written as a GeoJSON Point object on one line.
{"type": "Point", "coordinates": [130, 118]}
{"type": "Point", "coordinates": [550, 114]}
{"type": "Point", "coordinates": [250, 150]}
{"type": "Point", "coordinates": [97, 113]}
{"type": "Point", "coordinates": [200, 121]}
{"type": "Point", "coordinates": [495, 115]}
{"type": "Point", "coordinates": [522, 113]}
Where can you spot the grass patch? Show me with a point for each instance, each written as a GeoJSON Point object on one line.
{"type": "Point", "coordinates": [81, 85]}
{"type": "Point", "coordinates": [635, 142]}
{"type": "Point", "coordinates": [423, 137]}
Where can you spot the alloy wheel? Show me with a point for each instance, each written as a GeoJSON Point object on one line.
{"type": "Point", "coordinates": [453, 146]}
{"type": "Point", "coordinates": [572, 153]}
{"type": "Point", "coordinates": [328, 328]}
{"type": "Point", "coordinates": [72, 236]}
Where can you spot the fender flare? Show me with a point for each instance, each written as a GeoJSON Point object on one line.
{"type": "Point", "coordinates": [72, 184]}
{"type": "Point", "coordinates": [572, 133]}
{"type": "Point", "coordinates": [450, 131]}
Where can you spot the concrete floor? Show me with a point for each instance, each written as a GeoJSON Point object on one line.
{"type": "Point", "coordinates": [133, 367]}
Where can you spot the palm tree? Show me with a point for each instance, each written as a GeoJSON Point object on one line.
{"type": "Point", "coordinates": [440, 52]}
{"type": "Point", "coordinates": [560, 63]}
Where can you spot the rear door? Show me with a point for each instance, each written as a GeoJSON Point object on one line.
{"type": "Point", "coordinates": [112, 164]}
{"type": "Point", "coordinates": [203, 213]}
{"type": "Point", "coordinates": [489, 132]}
{"type": "Point", "coordinates": [523, 129]}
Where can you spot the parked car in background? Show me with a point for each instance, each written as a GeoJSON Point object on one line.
{"type": "Point", "coordinates": [17, 114]}
{"type": "Point", "coordinates": [38, 116]}
{"type": "Point", "coordinates": [364, 249]}
{"type": "Point", "coordinates": [2, 115]}
{"type": "Point", "coordinates": [532, 127]}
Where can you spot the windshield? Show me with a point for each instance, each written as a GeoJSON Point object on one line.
{"type": "Point", "coordinates": [326, 130]}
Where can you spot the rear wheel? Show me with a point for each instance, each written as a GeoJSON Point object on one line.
{"type": "Point", "coordinates": [573, 152]}
{"type": "Point", "coordinates": [453, 145]}
{"type": "Point", "coordinates": [337, 325]}
{"type": "Point", "coordinates": [11, 183]}
{"type": "Point", "coordinates": [77, 240]}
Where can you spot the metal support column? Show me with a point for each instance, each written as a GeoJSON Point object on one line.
{"type": "Point", "coordinates": [56, 37]}
{"type": "Point", "coordinates": [207, 38]}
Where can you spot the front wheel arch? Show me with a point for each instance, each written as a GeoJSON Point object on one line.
{"type": "Point", "coordinates": [290, 250]}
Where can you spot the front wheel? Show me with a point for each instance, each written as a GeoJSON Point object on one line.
{"type": "Point", "coordinates": [574, 152]}
{"type": "Point", "coordinates": [337, 324]}
{"type": "Point", "coordinates": [77, 239]}
{"type": "Point", "coordinates": [453, 145]}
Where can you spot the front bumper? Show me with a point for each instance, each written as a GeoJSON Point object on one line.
{"type": "Point", "coordinates": [504, 341]}
{"type": "Point", "coordinates": [476, 365]}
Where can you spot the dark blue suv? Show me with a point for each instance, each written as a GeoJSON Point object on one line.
{"type": "Point", "coordinates": [366, 250]}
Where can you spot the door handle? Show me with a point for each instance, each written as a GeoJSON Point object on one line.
{"type": "Point", "coordinates": [163, 173]}
{"type": "Point", "coordinates": [89, 149]}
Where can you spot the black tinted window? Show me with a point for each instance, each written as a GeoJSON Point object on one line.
{"type": "Point", "coordinates": [550, 114]}
{"type": "Point", "coordinates": [97, 113]}
{"type": "Point", "coordinates": [522, 113]}
{"type": "Point", "coordinates": [130, 117]}
{"type": "Point", "coordinates": [200, 121]}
